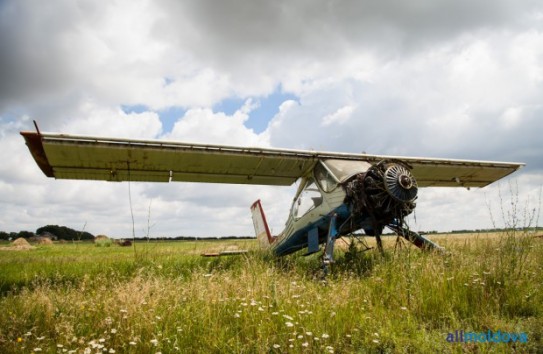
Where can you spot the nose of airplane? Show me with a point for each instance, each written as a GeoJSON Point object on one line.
{"type": "Point", "coordinates": [400, 183]}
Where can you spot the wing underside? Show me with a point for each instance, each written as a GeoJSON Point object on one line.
{"type": "Point", "coordinates": [90, 158]}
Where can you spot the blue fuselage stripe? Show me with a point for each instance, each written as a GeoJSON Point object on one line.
{"type": "Point", "coordinates": [298, 240]}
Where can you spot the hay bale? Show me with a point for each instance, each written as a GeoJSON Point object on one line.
{"type": "Point", "coordinates": [20, 242]}
{"type": "Point", "coordinates": [43, 241]}
{"type": "Point", "coordinates": [101, 238]}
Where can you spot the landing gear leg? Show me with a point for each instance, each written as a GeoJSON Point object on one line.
{"type": "Point", "coordinates": [328, 256]}
{"type": "Point", "coordinates": [379, 244]}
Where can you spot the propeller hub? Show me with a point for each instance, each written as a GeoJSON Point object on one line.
{"type": "Point", "coordinates": [400, 183]}
{"type": "Point", "coordinates": [405, 181]}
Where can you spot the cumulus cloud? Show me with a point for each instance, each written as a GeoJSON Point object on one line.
{"type": "Point", "coordinates": [443, 78]}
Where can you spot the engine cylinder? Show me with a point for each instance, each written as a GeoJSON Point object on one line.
{"type": "Point", "coordinates": [387, 191]}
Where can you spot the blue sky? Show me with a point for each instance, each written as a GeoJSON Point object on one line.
{"type": "Point", "coordinates": [266, 108]}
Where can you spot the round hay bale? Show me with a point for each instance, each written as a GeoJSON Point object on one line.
{"type": "Point", "coordinates": [44, 241]}
{"type": "Point", "coordinates": [20, 242]}
{"type": "Point", "coordinates": [101, 238]}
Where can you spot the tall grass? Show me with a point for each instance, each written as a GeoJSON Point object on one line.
{"type": "Point", "coordinates": [87, 299]}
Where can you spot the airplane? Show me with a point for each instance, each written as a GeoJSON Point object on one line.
{"type": "Point", "coordinates": [338, 193]}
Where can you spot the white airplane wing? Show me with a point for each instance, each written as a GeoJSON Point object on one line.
{"type": "Point", "coordinates": [94, 158]}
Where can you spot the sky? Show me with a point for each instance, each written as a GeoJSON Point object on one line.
{"type": "Point", "coordinates": [437, 78]}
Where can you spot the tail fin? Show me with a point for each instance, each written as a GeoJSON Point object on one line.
{"type": "Point", "coordinates": [261, 226]}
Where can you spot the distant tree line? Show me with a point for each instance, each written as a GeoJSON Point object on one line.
{"type": "Point", "coordinates": [66, 233]}
{"type": "Point", "coordinates": [190, 238]}
{"type": "Point", "coordinates": [60, 232]}
{"type": "Point", "coordinates": [15, 235]}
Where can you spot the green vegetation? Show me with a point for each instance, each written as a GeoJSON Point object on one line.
{"type": "Point", "coordinates": [164, 297]}
{"type": "Point", "coordinates": [64, 233]}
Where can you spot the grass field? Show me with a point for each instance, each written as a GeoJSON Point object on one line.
{"type": "Point", "coordinates": [164, 297]}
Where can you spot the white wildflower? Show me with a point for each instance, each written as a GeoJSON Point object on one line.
{"type": "Point", "coordinates": [289, 324]}
{"type": "Point", "coordinates": [305, 344]}
{"type": "Point", "coordinates": [276, 346]}
{"type": "Point", "coordinates": [324, 335]}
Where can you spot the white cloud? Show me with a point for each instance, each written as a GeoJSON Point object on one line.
{"type": "Point", "coordinates": [113, 122]}
{"type": "Point", "coordinates": [449, 78]}
{"type": "Point", "coordinates": [338, 117]}
{"type": "Point", "coordinates": [202, 125]}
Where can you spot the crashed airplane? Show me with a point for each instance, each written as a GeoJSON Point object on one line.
{"type": "Point", "coordinates": [338, 193]}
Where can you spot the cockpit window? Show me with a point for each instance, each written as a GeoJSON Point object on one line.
{"type": "Point", "coordinates": [309, 199]}
{"type": "Point", "coordinates": [324, 178]}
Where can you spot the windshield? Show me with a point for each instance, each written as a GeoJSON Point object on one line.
{"type": "Point", "coordinates": [343, 169]}
{"type": "Point", "coordinates": [309, 199]}
{"type": "Point", "coordinates": [324, 178]}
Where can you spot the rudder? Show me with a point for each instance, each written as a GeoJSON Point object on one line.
{"type": "Point", "coordinates": [262, 230]}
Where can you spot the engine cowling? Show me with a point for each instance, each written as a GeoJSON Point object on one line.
{"type": "Point", "coordinates": [386, 192]}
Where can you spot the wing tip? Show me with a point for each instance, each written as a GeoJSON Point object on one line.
{"type": "Point", "coordinates": [35, 145]}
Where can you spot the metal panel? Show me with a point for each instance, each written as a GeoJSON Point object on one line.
{"type": "Point", "coordinates": [312, 241]}
{"type": "Point", "coordinates": [111, 175]}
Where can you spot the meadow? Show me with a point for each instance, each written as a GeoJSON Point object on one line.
{"type": "Point", "coordinates": [163, 297]}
